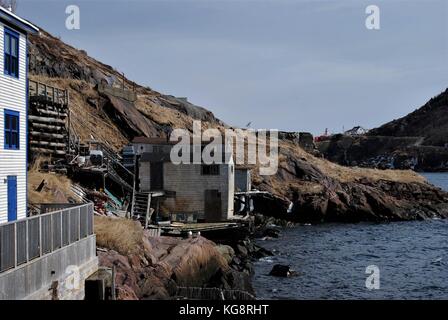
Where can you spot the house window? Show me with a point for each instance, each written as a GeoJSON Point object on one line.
{"type": "Point", "coordinates": [11, 130]}
{"type": "Point", "coordinates": [210, 170]}
{"type": "Point", "coordinates": [11, 46]}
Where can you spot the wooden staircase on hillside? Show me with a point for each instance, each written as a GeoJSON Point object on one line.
{"type": "Point", "coordinates": [141, 207]}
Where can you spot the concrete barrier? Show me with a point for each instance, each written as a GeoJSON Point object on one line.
{"type": "Point", "coordinates": [57, 275]}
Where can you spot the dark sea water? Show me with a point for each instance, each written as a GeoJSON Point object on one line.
{"type": "Point", "coordinates": [331, 259]}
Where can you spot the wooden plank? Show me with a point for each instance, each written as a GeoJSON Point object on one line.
{"type": "Point", "coordinates": [48, 135]}
{"type": "Point", "coordinates": [47, 151]}
{"type": "Point", "coordinates": [48, 143]}
{"type": "Point", "coordinates": [47, 126]}
{"type": "Point", "coordinates": [51, 113]}
{"type": "Point", "coordinates": [46, 119]}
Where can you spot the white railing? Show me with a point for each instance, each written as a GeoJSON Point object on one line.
{"type": "Point", "coordinates": [24, 240]}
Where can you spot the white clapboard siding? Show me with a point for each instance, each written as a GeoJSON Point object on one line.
{"type": "Point", "coordinates": [13, 162]}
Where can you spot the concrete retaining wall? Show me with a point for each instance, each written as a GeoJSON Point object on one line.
{"type": "Point", "coordinates": [58, 275]}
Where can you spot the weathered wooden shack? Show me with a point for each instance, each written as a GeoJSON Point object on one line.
{"type": "Point", "coordinates": [201, 192]}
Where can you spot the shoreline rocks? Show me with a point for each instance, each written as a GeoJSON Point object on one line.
{"type": "Point", "coordinates": [163, 264]}
{"type": "Point", "coordinates": [283, 271]}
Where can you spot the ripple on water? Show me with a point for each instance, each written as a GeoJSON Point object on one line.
{"type": "Point", "coordinates": [332, 260]}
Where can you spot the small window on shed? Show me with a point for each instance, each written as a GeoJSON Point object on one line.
{"type": "Point", "coordinates": [210, 170]}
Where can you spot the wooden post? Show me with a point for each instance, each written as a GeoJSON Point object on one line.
{"type": "Point", "coordinates": [134, 187]}
{"type": "Point", "coordinates": [69, 132]}
{"type": "Point", "coordinates": [158, 209]}
{"type": "Point", "coordinates": [114, 297]}
{"type": "Point", "coordinates": [148, 210]}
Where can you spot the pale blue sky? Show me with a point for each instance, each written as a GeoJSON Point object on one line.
{"type": "Point", "coordinates": [284, 64]}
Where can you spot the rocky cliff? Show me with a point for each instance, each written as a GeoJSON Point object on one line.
{"type": "Point", "coordinates": [324, 191]}
{"type": "Point", "coordinates": [319, 189]}
{"type": "Point", "coordinates": [417, 141]}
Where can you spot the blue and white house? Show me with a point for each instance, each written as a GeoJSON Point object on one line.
{"type": "Point", "coordinates": [52, 248]}
{"type": "Point", "coordinates": [13, 114]}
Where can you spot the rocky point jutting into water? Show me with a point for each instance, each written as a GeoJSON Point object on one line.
{"type": "Point", "coordinates": [417, 141]}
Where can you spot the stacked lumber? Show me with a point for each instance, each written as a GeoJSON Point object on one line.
{"type": "Point", "coordinates": [47, 120]}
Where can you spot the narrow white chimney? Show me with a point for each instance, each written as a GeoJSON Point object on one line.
{"type": "Point", "coordinates": [10, 8]}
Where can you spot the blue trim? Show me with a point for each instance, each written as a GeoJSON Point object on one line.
{"type": "Point", "coordinates": [12, 113]}
{"type": "Point", "coordinates": [12, 34]}
{"type": "Point", "coordinates": [12, 198]}
{"type": "Point", "coordinates": [17, 23]}
{"type": "Point", "coordinates": [26, 124]}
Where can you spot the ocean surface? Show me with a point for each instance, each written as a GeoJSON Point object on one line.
{"type": "Point", "coordinates": [331, 260]}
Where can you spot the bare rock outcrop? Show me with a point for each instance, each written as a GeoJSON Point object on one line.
{"type": "Point", "coordinates": [164, 263]}
{"type": "Point", "coordinates": [328, 199]}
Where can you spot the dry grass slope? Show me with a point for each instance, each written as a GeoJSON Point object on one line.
{"type": "Point", "coordinates": [350, 174]}
{"type": "Point", "coordinates": [57, 187]}
{"type": "Point", "coordinates": [122, 235]}
{"type": "Point", "coordinates": [89, 122]}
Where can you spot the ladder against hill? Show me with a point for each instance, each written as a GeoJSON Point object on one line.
{"type": "Point", "coordinates": [141, 206]}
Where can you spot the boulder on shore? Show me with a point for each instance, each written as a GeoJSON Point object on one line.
{"type": "Point", "coordinates": [280, 270]}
